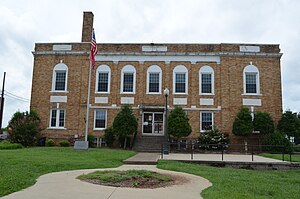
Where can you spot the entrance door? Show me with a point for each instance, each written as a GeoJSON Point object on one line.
{"type": "Point", "coordinates": [153, 123]}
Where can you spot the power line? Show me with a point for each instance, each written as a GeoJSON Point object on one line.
{"type": "Point", "coordinates": [14, 98]}
{"type": "Point", "coordinates": [15, 95]}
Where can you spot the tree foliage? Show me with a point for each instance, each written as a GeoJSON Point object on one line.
{"type": "Point", "coordinates": [242, 124]}
{"type": "Point", "coordinates": [263, 123]}
{"type": "Point", "coordinates": [178, 123]}
{"type": "Point", "coordinates": [24, 128]}
{"type": "Point", "coordinates": [289, 124]}
{"type": "Point", "coordinates": [125, 123]}
{"type": "Point", "coordinates": [277, 140]}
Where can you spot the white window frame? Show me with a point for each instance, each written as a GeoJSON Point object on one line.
{"type": "Point", "coordinates": [59, 67]}
{"type": "Point", "coordinates": [212, 120]}
{"type": "Point", "coordinates": [103, 69]}
{"type": "Point", "coordinates": [95, 119]}
{"type": "Point", "coordinates": [154, 69]}
{"type": "Point", "coordinates": [128, 69]}
{"type": "Point", "coordinates": [180, 69]}
{"type": "Point", "coordinates": [57, 118]}
{"type": "Point", "coordinates": [206, 70]}
{"type": "Point", "coordinates": [253, 70]}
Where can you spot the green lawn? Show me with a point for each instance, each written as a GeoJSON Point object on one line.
{"type": "Point", "coordinates": [20, 168]}
{"type": "Point", "coordinates": [295, 158]}
{"type": "Point", "coordinates": [239, 183]}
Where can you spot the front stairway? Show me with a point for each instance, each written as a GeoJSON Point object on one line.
{"type": "Point", "coordinates": [148, 143]}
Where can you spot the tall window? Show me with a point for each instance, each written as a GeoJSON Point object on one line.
{"type": "Point", "coordinates": [103, 79]}
{"type": "Point", "coordinates": [251, 80]}
{"type": "Point", "coordinates": [100, 119]}
{"type": "Point", "coordinates": [206, 121]}
{"type": "Point", "coordinates": [154, 75]}
{"type": "Point", "coordinates": [57, 118]}
{"type": "Point", "coordinates": [206, 75]}
{"type": "Point", "coordinates": [59, 78]}
{"type": "Point", "coordinates": [180, 80]}
{"type": "Point", "coordinates": [128, 78]}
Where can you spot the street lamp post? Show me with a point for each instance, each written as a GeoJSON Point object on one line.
{"type": "Point", "coordinates": [166, 145]}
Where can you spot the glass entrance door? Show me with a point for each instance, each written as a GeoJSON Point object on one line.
{"type": "Point", "coordinates": [153, 123]}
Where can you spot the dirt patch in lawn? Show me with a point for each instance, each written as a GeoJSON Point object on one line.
{"type": "Point", "coordinates": [148, 180]}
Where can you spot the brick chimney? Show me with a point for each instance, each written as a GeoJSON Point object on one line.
{"type": "Point", "coordinates": [87, 26]}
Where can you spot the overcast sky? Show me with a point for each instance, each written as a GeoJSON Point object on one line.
{"type": "Point", "coordinates": [26, 22]}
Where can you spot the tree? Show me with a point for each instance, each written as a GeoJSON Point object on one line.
{"type": "Point", "coordinates": [263, 123]}
{"type": "Point", "coordinates": [125, 123]}
{"type": "Point", "coordinates": [289, 124]}
{"type": "Point", "coordinates": [178, 123]}
{"type": "Point", "coordinates": [24, 128]}
{"type": "Point", "coordinates": [242, 124]}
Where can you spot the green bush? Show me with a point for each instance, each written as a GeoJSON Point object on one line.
{"type": "Point", "coordinates": [7, 145]}
{"type": "Point", "coordinates": [109, 136]}
{"type": "Point", "coordinates": [91, 139]}
{"type": "Point", "coordinates": [289, 124]}
{"type": "Point", "coordinates": [50, 142]}
{"type": "Point", "coordinates": [214, 138]}
{"type": "Point", "coordinates": [263, 123]}
{"type": "Point", "coordinates": [278, 140]}
{"type": "Point", "coordinates": [125, 124]}
{"type": "Point", "coordinates": [178, 123]}
{"type": "Point", "coordinates": [24, 128]}
{"type": "Point", "coordinates": [242, 124]}
{"type": "Point", "coordinates": [64, 143]}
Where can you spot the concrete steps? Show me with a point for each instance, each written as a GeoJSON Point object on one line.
{"type": "Point", "coordinates": [148, 143]}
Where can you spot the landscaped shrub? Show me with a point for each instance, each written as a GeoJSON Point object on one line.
{"type": "Point", "coordinates": [289, 124]}
{"type": "Point", "coordinates": [242, 124]}
{"type": "Point", "coordinates": [91, 139]}
{"type": "Point", "coordinates": [64, 143]}
{"type": "Point", "coordinates": [178, 123]}
{"type": "Point", "coordinates": [213, 140]}
{"type": "Point", "coordinates": [109, 136]}
{"type": "Point", "coordinates": [24, 128]}
{"type": "Point", "coordinates": [125, 124]}
{"type": "Point", "coordinates": [7, 145]}
{"type": "Point", "coordinates": [263, 123]}
{"type": "Point", "coordinates": [278, 140]}
{"type": "Point", "coordinates": [50, 142]}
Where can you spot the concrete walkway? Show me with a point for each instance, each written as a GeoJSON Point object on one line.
{"type": "Point", "coordinates": [64, 185]}
{"type": "Point", "coordinates": [143, 158]}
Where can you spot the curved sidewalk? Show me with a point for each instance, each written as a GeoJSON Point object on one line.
{"type": "Point", "coordinates": [64, 185]}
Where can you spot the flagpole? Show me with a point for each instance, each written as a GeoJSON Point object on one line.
{"type": "Point", "coordinates": [88, 104]}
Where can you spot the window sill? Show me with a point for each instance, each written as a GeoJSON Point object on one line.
{"type": "Point", "coordinates": [57, 128]}
{"type": "Point", "coordinates": [180, 94]}
{"type": "Point", "coordinates": [127, 93]}
{"type": "Point", "coordinates": [148, 93]}
{"type": "Point", "coordinates": [207, 94]}
{"type": "Point", "coordinates": [251, 94]}
{"type": "Point", "coordinates": [59, 91]}
{"type": "Point", "coordinates": [99, 129]}
{"type": "Point", "coordinates": [102, 93]}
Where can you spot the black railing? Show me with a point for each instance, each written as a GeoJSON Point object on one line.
{"type": "Point", "coordinates": [193, 147]}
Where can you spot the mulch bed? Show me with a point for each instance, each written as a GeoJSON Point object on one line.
{"type": "Point", "coordinates": [143, 183]}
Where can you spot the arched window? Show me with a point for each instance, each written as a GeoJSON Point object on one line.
{"type": "Point", "coordinates": [251, 80]}
{"type": "Point", "coordinates": [59, 78]}
{"type": "Point", "coordinates": [206, 80]}
{"type": "Point", "coordinates": [154, 76]}
{"type": "Point", "coordinates": [128, 77]}
{"type": "Point", "coordinates": [103, 74]}
{"type": "Point", "coordinates": [180, 80]}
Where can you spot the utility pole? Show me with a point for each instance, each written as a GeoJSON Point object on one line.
{"type": "Point", "coordinates": [2, 102]}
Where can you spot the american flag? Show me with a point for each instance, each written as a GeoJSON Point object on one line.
{"type": "Point", "coordinates": [94, 49]}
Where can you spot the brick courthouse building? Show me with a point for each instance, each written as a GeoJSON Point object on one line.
{"type": "Point", "coordinates": [210, 81]}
